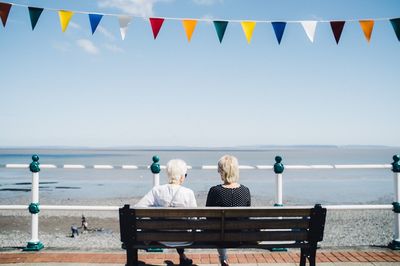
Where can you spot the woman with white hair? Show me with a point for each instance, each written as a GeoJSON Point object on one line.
{"type": "Point", "coordinates": [172, 194]}
{"type": "Point", "coordinates": [229, 194]}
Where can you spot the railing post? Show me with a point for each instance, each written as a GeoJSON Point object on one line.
{"type": "Point", "coordinates": [34, 208]}
{"type": "Point", "coordinates": [278, 169]}
{"type": "Point", "coordinates": [155, 169]}
{"type": "Point", "coordinates": [395, 244]}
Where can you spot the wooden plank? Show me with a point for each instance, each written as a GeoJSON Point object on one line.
{"type": "Point", "coordinates": [178, 236]}
{"type": "Point", "coordinates": [277, 212]}
{"type": "Point", "coordinates": [217, 212]}
{"type": "Point", "coordinates": [267, 236]}
{"type": "Point", "coordinates": [267, 224]}
{"type": "Point", "coordinates": [215, 224]}
{"type": "Point", "coordinates": [213, 245]}
{"type": "Point", "coordinates": [216, 236]}
{"type": "Point", "coordinates": [180, 224]}
{"type": "Point", "coordinates": [177, 213]}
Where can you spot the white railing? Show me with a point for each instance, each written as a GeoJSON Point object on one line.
{"type": "Point", "coordinates": [116, 208]}
{"type": "Point", "coordinates": [203, 167]}
{"type": "Point", "coordinates": [278, 167]}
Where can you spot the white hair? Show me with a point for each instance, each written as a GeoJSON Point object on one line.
{"type": "Point", "coordinates": [176, 168]}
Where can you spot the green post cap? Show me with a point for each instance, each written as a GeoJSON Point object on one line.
{"type": "Point", "coordinates": [34, 166]}
{"type": "Point", "coordinates": [396, 207]}
{"type": "Point", "coordinates": [278, 166]}
{"type": "Point", "coordinates": [155, 166]}
{"type": "Point", "coordinates": [396, 164]}
{"type": "Point", "coordinates": [34, 208]}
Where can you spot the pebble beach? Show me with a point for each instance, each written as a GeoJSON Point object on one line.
{"type": "Point", "coordinates": [344, 228]}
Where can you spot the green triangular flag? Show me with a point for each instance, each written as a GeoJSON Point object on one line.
{"type": "Point", "coordinates": [220, 27]}
{"type": "Point", "coordinates": [34, 13]}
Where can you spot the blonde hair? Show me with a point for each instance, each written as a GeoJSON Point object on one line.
{"type": "Point", "coordinates": [228, 167]}
{"type": "Point", "coordinates": [176, 168]}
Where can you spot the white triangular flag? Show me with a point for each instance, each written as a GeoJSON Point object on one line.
{"type": "Point", "coordinates": [309, 28]}
{"type": "Point", "coordinates": [123, 24]}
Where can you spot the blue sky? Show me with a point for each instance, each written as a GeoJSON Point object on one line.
{"type": "Point", "coordinates": [75, 89]}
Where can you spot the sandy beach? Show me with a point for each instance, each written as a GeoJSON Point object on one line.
{"type": "Point", "coordinates": [343, 228]}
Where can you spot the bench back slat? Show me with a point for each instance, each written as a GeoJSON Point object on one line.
{"type": "Point", "coordinates": [215, 224]}
{"type": "Point", "coordinates": [217, 237]}
{"type": "Point", "coordinates": [218, 212]}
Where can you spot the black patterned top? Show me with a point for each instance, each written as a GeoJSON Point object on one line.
{"type": "Point", "coordinates": [219, 196]}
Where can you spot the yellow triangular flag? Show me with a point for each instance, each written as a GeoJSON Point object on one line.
{"type": "Point", "coordinates": [65, 17]}
{"type": "Point", "coordinates": [367, 26]}
{"type": "Point", "coordinates": [189, 25]}
{"type": "Point", "coordinates": [248, 28]}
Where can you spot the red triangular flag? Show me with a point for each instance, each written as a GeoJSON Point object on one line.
{"type": "Point", "coordinates": [337, 28]}
{"type": "Point", "coordinates": [156, 24]}
{"type": "Point", "coordinates": [4, 11]}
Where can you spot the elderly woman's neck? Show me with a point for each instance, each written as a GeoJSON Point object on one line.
{"type": "Point", "coordinates": [231, 185]}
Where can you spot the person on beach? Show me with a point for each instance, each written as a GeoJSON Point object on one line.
{"type": "Point", "coordinates": [228, 194]}
{"type": "Point", "coordinates": [172, 194]}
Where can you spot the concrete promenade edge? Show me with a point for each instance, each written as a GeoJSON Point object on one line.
{"type": "Point", "coordinates": [324, 258]}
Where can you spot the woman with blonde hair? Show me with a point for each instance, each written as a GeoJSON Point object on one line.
{"type": "Point", "coordinates": [228, 194]}
{"type": "Point", "coordinates": [172, 194]}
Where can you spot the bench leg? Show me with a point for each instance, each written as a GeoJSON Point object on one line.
{"type": "Point", "coordinates": [132, 257]}
{"type": "Point", "coordinates": [303, 257]}
{"type": "Point", "coordinates": [313, 255]}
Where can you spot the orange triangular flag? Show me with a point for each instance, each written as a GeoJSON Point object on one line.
{"type": "Point", "coordinates": [367, 26]}
{"type": "Point", "coordinates": [189, 25]}
{"type": "Point", "coordinates": [248, 28]}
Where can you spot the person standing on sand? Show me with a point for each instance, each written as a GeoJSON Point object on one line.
{"type": "Point", "coordinates": [172, 194]}
{"type": "Point", "coordinates": [228, 194]}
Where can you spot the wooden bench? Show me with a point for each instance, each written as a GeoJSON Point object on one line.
{"type": "Point", "coordinates": [216, 227]}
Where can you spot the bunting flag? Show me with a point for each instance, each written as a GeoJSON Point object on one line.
{"type": "Point", "coordinates": [124, 22]}
{"type": "Point", "coordinates": [94, 21]}
{"type": "Point", "coordinates": [396, 26]}
{"type": "Point", "coordinates": [309, 28]}
{"type": "Point", "coordinates": [367, 26]}
{"type": "Point", "coordinates": [4, 11]}
{"type": "Point", "coordinates": [220, 27]}
{"type": "Point", "coordinates": [248, 29]}
{"type": "Point", "coordinates": [279, 28]}
{"type": "Point", "coordinates": [65, 17]}
{"type": "Point", "coordinates": [156, 24]}
{"type": "Point", "coordinates": [189, 25]}
{"type": "Point", "coordinates": [34, 14]}
{"type": "Point", "coordinates": [337, 28]}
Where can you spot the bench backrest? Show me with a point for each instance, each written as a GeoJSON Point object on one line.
{"type": "Point", "coordinates": [216, 224]}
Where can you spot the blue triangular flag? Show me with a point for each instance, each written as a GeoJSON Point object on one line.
{"type": "Point", "coordinates": [279, 28]}
{"type": "Point", "coordinates": [94, 21]}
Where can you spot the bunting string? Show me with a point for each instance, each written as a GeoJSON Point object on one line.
{"type": "Point", "coordinates": [189, 24]}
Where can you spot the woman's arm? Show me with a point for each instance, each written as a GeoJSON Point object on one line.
{"type": "Point", "coordinates": [192, 200]}
{"type": "Point", "coordinates": [147, 201]}
{"type": "Point", "coordinates": [210, 198]}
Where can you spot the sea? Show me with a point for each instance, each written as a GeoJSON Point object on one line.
{"type": "Point", "coordinates": [327, 186]}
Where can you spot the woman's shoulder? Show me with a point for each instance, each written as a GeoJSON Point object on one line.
{"type": "Point", "coordinates": [186, 190]}
{"type": "Point", "coordinates": [243, 187]}
{"type": "Point", "coordinates": [216, 188]}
